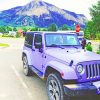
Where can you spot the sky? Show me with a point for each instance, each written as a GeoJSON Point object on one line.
{"type": "Point", "coordinates": [77, 6]}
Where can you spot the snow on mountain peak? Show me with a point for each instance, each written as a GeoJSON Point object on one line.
{"type": "Point", "coordinates": [36, 7]}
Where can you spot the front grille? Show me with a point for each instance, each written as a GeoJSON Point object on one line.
{"type": "Point", "coordinates": [92, 70]}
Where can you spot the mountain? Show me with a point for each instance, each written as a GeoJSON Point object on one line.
{"type": "Point", "coordinates": [41, 14]}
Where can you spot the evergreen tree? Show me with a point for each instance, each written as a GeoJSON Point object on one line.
{"type": "Point", "coordinates": [2, 29]}
{"type": "Point", "coordinates": [34, 29]}
{"type": "Point", "coordinates": [24, 29]}
{"type": "Point", "coordinates": [89, 30]}
{"type": "Point", "coordinates": [14, 29]}
{"type": "Point", "coordinates": [64, 27]}
{"type": "Point", "coordinates": [7, 28]}
{"type": "Point", "coordinates": [52, 27]}
{"type": "Point", "coordinates": [95, 13]}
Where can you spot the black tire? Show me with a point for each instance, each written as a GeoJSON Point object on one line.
{"type": "Point", "coordinates": [26, 69]}
{"type": "Point", "coordinates": [54, 86]}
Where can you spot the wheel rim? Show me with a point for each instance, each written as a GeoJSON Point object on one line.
{"type": "Point", "coordinates": [54, 92]}
{"type": "Point", "coordinates": [25, 65]}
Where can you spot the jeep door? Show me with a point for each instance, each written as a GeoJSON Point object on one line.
{"type": "Point", "coordinates": [36, 54]}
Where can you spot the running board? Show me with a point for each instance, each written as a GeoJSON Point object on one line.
{"type": "Point", "coordinates": [36, 71]}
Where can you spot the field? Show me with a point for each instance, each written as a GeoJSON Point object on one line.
{"type": "Point", "coordinates": [4, 45]}
{"type": "Point", "coordinates": [95, 45]}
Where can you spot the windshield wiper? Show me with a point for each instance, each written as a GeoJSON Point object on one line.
{"type": "Point", "coordinates": [75, 46]}
{"type": "Point", "coordinates": [55, 45]}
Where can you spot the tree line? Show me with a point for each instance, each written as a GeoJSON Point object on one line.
{"type": "Point", "coordinates": [52, 27]}
{"type": "Point", "coordinates": [92, 29]}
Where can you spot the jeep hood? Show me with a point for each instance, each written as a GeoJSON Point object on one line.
{"type": "Point", "coordinates": [77, 55]}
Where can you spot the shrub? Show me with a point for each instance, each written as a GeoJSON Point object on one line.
{"type": "Point", "coordinates": [87, 36]}
{"type": "Point", "coordinates": [89, 47]}
{"type": "Point", "coordinates": [17, 35]}
{"type": "Point", "coordinates": [98, 36]}
{"type": "Point", "coordinates": [98, 52]}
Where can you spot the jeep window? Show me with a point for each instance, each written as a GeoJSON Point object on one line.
{"type": "Point", "coordinates": [29, 40]}
{"type": "Point", "coordinates": [61, 40]}
{"type": "Point", "coordinates": [38, 39]}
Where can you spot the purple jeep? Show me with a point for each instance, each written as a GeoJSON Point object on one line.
{"type": "Point", "coordinates": [59, 58]}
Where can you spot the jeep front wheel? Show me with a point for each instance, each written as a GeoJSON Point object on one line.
{"type": "Point", "coordinates": [26, 69]}
{"type": "Point", "coordinates": [54, 87]}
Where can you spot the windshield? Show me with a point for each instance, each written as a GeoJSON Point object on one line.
{"type": "Point", "coordinates": [61, 40]}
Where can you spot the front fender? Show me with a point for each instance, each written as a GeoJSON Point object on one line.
{"type": "Point", "coordinates": [28, 57]}
{"type": "Point", "coordinates": [69, 72]}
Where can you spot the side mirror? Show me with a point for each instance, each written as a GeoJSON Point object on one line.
{"type": "Point", "coordinates": [83, 43]}
{"type": "Point", "coordinates": [38, 45]}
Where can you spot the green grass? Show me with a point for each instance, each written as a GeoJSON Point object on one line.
{"type": "Point", "coordinates": [95, 40]}
{"type": "Point", "coordinates": [4, 45]}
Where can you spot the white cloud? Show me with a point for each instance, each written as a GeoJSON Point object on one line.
{"type": "Point", "coordinates": [78, 6]}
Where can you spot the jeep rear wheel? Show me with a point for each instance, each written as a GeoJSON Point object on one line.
{"type": "Point", "coordinates": [26, 69]}
{"type": "Point", "coordinates": [54, 87]}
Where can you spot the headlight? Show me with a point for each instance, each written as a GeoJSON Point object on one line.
{"type": "Point", "coordinates": [79, 68]}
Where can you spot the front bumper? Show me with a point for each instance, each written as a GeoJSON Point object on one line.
{"type": "Point", "coordinates": [82, 89]}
